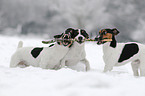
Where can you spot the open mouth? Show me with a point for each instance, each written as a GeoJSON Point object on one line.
{"type": "Point", "coordinates": [103, 41]}
{"type": "Point", "coordinates": [66, 42]}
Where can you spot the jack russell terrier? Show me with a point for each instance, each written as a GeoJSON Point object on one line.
{"type": "Point", "coordinates": [77, 52]}
{"type": "Point", "coordinates": [117, 54]}
{"type": "Point", "coordinates": [44, 57]}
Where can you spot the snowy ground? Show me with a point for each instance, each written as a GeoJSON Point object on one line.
{"type": "Point", "coordinates": [65, 82]}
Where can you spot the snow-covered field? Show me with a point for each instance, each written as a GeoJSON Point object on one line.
{"type": "Point", "coordinates": [33, 81]}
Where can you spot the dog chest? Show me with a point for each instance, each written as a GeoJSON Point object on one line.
{"type": "Point", "coordinates": [76, 51]}
{"type": "Point", "coordinates": [111, 55]}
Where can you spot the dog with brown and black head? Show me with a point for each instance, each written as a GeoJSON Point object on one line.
{"type": "Point", "coordinates": [77, 52]}
{"type": "Point", "coordinates": [117, 54]}
{"type": "Point", "coordinates": [44, 57]}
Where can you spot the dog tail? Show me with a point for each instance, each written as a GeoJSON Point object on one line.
{"type": "Point", "coordinates": [20, 44]}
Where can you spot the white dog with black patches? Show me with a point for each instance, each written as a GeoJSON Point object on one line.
{"type": "Point", "coordinates": [117, 54]}
{"type": "Point", "coordinates": [45, 57]}
{"type": "Point", "coordinates": [77, 52]}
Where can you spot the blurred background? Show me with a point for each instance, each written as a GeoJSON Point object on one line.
{"type": "Point", "coordinates": [46, 18]}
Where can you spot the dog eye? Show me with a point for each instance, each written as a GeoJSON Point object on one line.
{"type": "Point", "coordinates": [105, 32]}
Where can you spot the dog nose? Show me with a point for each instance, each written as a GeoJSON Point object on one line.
{"type": "Point", "coordinates": [66, 37]}
{"type": "Point", "coordinates": [80, 38]}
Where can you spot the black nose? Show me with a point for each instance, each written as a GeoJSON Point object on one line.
{"type": "Point", "coordinates": [80, 38]}
{"type": "Point", "coordinates": [66, 37]}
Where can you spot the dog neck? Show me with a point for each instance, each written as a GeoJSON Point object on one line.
{"type": "Point", "coordinates": [76, 44]}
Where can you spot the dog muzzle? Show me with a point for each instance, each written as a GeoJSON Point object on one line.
{"type": "Point", "coordinates": [80, 40]}
{"type": "Point", "coordinates": [102, 40]}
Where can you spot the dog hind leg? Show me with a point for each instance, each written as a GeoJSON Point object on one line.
{"type": "Point", "coordinates": [14, 61]}
{"type": "Point", "coordinates": [135, 66]}
{"type": "Point", "coordinates": [22, 64]}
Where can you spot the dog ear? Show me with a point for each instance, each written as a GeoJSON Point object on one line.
{"type": "Point", "coordinates": [69, 30]}
{"type": "Point", "coordinates": [58, 36]}
{"type": "Point", "coordinates": [74, 33]}
{"type": "Point", "coordinates": [85, 33]}
{"type": "Point", "coordinates": [115, 31]}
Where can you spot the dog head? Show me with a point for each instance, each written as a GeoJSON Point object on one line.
{"type": "Point", "coordinates": [66, 36]}
{"type": "Point", "coordinates": [106, 35]}
{"type": "Point", "coordinates": [80, 35]}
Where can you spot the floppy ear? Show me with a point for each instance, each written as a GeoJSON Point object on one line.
{"type": "Point", "coordinates": [74, 33]}
{"type": "Point", "coordinates": [115, 31]}
{"type": "Point", "coordinates": [86, 34]}
{"type": "Point", "coordinates": [58, 36]}
{"type": "Point", "coordinates": [69, 30]}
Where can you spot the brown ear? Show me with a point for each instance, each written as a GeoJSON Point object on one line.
{"type": "Point", "coordinates": [115, 31]}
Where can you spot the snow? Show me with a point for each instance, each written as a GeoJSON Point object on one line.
{"type": "Point", "coordinates": [33, 81]}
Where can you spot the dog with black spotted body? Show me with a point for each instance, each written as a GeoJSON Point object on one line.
{"type": "Point", "coordinates": [117, 54]}
{"type": "Point", "coordinates": [77, 52]}
{"type": "Point", "coordinates": [44, 57]}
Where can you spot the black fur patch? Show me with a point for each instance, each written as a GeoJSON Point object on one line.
{"type": "Point", "coordinates": [129, 51]}
{"type": "Point", "coordinates": [36, 51]}
{"type": "Point", "coordinates": [113, 42]}
{"type": "Point", "coordinates": [51, 45]}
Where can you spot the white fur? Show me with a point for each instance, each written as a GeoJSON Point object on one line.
{"type": "Point", "coordinates": [49, 57]}
{"type": "Point", "coordinates": [111, 56]}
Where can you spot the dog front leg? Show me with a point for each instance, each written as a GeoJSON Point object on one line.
{"type": "Point", "coordinates": [108, 67]}
{"type": "Point", "coordinates": [109, 63]}
{"type": "Point", "coordinates": [87, 64]}
{"type": "Point", "coordinates": [62, 63]}
{"type": "Point", "coordinates": [56, 67]}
